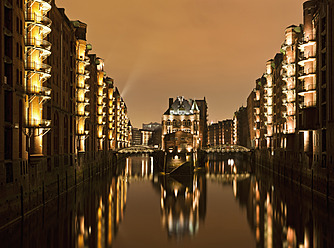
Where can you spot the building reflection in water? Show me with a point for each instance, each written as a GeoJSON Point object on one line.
{"type": "Point", "coordinates": [183, 203]}
{"type": "Point", "coordinates": [280, 214]}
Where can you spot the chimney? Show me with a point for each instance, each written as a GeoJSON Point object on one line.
{"type": "Point", "coordinates": [170, 102]}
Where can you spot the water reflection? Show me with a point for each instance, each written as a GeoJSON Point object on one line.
{"type": "Point", "coordinates": [278, 213]}
{"type": "Point", "coordinates": [97, 224]}
{"type": "Point", "coordinates": [183, 203]}
{"type": "Point", "coordinates": [287, 215]}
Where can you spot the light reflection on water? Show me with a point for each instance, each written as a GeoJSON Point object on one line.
{"type": "Point", "coordinates": [223, 203]}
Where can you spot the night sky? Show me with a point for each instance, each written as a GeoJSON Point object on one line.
{"type": "Point", "coordinates": [156, 49]}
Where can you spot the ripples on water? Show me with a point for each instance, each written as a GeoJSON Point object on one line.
{"type": "Point", "coordinates": [222, 204]}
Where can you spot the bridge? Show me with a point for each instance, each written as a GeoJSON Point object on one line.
{"type": "Point", "coordinates": [226, 149]}
{"type": "Point", "coordinates": [138, 150]}
{"type": "Point", "coordinates": [227, 178]}
{"type": "Point", "coordinates": [141, 149]}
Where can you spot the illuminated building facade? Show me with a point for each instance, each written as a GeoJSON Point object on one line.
{"type": "Point", "coordinates": [58, 120]}
{"type": "Point", "coordinates": [146, 135]}
{"type": "Point", "coordinates": [136, 136]}
{"type": "Point", "coordinates": [220, 133]}
{"type": "Point", "coordinates": [251, 118]}
{"type": "Point", "coordinates": [122, 128]}
{"type": "Point", "coordinates": [269, 97]}
{"type": "Point", "coordinates": [37, 72]}
{"type": "Point", "coordinates": [156, 132]}
{"type": "Point", "coordinates": [203, 122]}
{"type": "Point", "coordinates": [258, 114]}
{"type": "Point", "coordinates": [182, 116]}
{"type": "Point", "coordinates": [101, 104]}
{"type": "Point", "coordinates": [81, 85]}
{"type": "Point", "coordinates": [13, 152]}
{"type": "Point", "coordinates": [293, 108]}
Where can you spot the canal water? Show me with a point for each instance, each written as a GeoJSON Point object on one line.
{"type": "Point", "coordinates": [226, 202]}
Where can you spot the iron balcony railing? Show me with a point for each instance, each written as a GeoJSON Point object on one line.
{"type": "Point", "coordinates": [38, 123]}
{"type": "Point", "coordinates": [38, 67]}
{"type": "Point", "coordinates": [45, 4]}
{"type": "Point", "coordinates": [38, 19]}
{"type": "Point", "coordinates": [307, 87]}
{"type": "Point", "coordinates": [309, 104]}
{"type": "Point", "coordinates": [38, 90]}
{"type": "Point", "coordinates": [42, 44]}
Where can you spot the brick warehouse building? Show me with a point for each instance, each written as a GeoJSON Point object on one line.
{"type": "Point", "coordinates": [291, 109]}
{"type": "Point", "coordinates": [61, 116]}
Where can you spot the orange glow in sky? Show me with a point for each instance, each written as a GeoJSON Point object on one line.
{"type": "Point", "coordinates": [156, 49]}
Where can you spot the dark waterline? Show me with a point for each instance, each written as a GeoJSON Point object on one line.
{"type": "Point", "coordinates": [225, 203]}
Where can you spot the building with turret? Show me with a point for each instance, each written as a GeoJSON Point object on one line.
{"type": "Point", "coordinates": [181, 126]}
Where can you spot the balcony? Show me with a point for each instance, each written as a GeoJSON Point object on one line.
{"type": "Point", "coordinates": [83, 101]}
{"type": "Point", "coordinates": [306, 42]}
{"type": "Point", "coordinates": [286, 65]}
{"type": "Point", "coordinates": [33, 18]}
{"type": "Point", "coordinates": [291, 113]}
{"type": "Point", "coordinates": [285, 89]}
{"type": "Point", "coordinates": [83, 134]}
{"type": "Point", "coordinates": [289, 131]}
{"type": "Point", "coordinates": [83, 89]}
{"type": "Point", "coordinates": [285, 45]}
{"type": "Point", "coordinates": [42, 45]}
{"type": "Point", "coordinates": [43, 123]}
{"type": "Point", "coordinates": [286, 76]}
{"type": "Point", "coordinates": [306, 59]}
{"type": "Point", "coordinates": [39, 91]}
{"type": "Point", "coordinates": [45, 4]}
{"type": "Point", "coordinates": [39, 68]}
{"type": "Point", "coordinates": [84, 73]}
{"type": "Point", "coordinates": [308, 88]}
{"type": "Point", "coordinates": [87, 60]}
{"type": "Point", "coordinates": [42, 22]}
{"type": "Point", "coordinates": [310, 104]}
{"type": "Point", "coordinates": [307, 74]}
{"type": "Point", "coordinates": [82, 114]}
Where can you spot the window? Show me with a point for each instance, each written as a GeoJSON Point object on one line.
{"type": "Point", "coordinates": [17, 50]}
{"type": "Point", "coordinates": [17, 25]}
{"type": "Point", "coordinates": [9, 172]}
{"type": "Point", "coordinates": [21, 78]}
{"type": "Point", "coordinates": [17, 76]}
{"type": "Point", "coordinates": [21, 52]}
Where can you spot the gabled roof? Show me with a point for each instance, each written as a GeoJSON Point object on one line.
{"type": "Point", "coordinates": [182, 106]}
